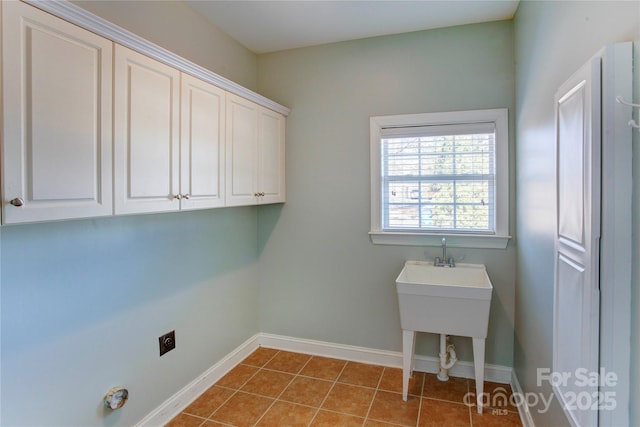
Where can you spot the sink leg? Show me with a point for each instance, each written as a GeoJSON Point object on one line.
{"type": "Point", "coordinates": [408, 345]}
{"type": "Point", "coordinates": [478, 361]}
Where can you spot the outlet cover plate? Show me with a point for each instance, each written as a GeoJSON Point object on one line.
{"type": "Point", "coordinates": [167, 342]}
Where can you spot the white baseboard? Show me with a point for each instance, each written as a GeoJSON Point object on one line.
{"type": "Point", "coordinates": [175, 404]}
{"type": "Point", "coordinates": [462, 369]}
{"type": "Point", "coordinates": [523, 410]}
{"type": "Point", "coordinates": [327, 349]}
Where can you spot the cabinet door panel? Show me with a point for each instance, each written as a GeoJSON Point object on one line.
{"type": "Point", "coordinates": [57, 118]}
{"type": "Point", "coordinates": [577, 243]}
{"type": "Point", "coordinates": [271, 161]}
{"type": "Point", "coordinates": [242, 144]}
{"type": "Point", "coordinates": [150, 136]}
{"type": "Point", "coordinates": [146, 134]}
{"type": "Point", "coordinates": [202, 144]}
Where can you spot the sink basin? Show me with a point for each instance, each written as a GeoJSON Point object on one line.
{"type": "Point", "coordinates": [452, 301]}
{"type": "Point", "coordinates": [447, 301]}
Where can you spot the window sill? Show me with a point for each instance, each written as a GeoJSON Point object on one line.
{"type": "Point", "coordinates": [453, 241]}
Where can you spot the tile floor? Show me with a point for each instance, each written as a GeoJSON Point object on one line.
{"type": "Point", "coordinates": [284, 389]}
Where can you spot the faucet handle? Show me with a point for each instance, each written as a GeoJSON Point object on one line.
{"type": "Point", "coordinates": [437, 262]}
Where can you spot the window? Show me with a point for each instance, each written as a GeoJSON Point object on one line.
{"type": "Point", "coordinates": [440, 174]}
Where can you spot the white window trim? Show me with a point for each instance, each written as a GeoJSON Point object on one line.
{"type": "Point", "coordinates": [501, 237]}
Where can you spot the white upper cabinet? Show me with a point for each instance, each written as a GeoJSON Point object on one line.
{"type": "Point", "coordinates": [242, 153]}
{"type": "Point", "coordinates": [271, 148]}
{"type": "Point", "coordinates": [146, 134]}
{"type": "Point", "coordinates": [201, 144]}
{"type": "Point", "coordinates": [93, 128]}
{"type": "Point", "coordinates": [255, 153]}
{"type": "Point", "coordinates": [56, 151]}
{"type": "Point", "coordinates": [169, 138]}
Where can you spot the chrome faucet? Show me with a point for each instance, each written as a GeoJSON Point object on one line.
{"type": "Point", "coordinates": [444, 262]}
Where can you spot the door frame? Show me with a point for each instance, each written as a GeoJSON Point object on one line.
{"type": "Point", "coordinates": [615, 267]}
{"type": "Point", "coordinates": [578, 116]}
{"type": "Point", "coordinates": [616, 226]}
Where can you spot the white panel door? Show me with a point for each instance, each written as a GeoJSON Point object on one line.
{"type": "Point", "coordinates": [201, 144]}
{"type": "Point", "coordinates": [241, 151]}
{"type": "Point", "coordinates": [57, 80]}
{"type": "Point", "coordinates": [146, 126]}
{"type": "Point", "coordinates": [576, 295]}
{"type": "Point", "coordinates": [271, 150]}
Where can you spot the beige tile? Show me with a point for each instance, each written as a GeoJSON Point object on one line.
{"type": "Point", "coordinates": [349, 399]}
{"type": "Point", "coordinates": [333, 419]}
{"type": "Point", "coordinates": [495, 418]}
{"type": "Point", "coordinates": [392, 381]}
{"type": "Point", "coordinates": [345, 403]}
{"type": "Point", "coordinates": [209, 401]}
{"type": "Point", "coordinates": [242, 409]}
{"type": "Point", "coordinates": [237, 376]}
{"type": "Point", "coordinates": [260, 357]}
{"type": "Point", "coordinates": [268, 383]}
{"type": "Point", "coordinates": [286, 361]}
{"type": "Point", "coordinates": [287, 414]}
{"type": "Point", "coordinates": [323, 367]}
{"type": "Point", "coordinates": [184, 420]}
{"type": "Point", "coordinates": [307, 391]}
{"type": "Point", "coordinates": [361, 374]}
{"type": "Point", "coordinates": [374, 423]}
{"type": "Point", "coordinates": [453, 390]}
{"type": "Point", "coordinates": [391, 408]}
{"type": "Point", "coordinates": [437, 413]}
{"type": "Point", "coordinates": [497, 396]}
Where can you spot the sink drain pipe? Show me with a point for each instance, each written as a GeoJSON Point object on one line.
{"type": "Point", "coordinates": [447, 357]}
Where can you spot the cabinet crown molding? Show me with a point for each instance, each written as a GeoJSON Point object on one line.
{"type": "Point", "coordinates": [87, 20]}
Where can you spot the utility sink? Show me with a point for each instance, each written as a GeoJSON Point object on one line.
{"type": "Point", "coordinates": [443, 300]}
{"type": "Point", "coordinates": [448, 301]}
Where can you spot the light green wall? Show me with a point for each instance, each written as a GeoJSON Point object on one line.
{"type": "Point", "coordinates": [178, 28]}
{"type": "Point", "coordinates": [84, 302]}
{"type": "Point", "coordinates": [552, 40]}
{"type": "Point", "coordinates": [321, 277]}
{"type": "Point", "coordinates": [634, 416]}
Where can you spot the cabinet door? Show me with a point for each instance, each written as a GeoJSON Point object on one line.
{"type": "Point", "coordinates": [146, 126]}
{"type": "Point", "coordinates": [201, 144]}
{"type": "Point", "coordinates": [56, 151]}
{"type": "Point", "coordinates": [271, 147]}
{"type": "Point", "coordinates": [241, 156]}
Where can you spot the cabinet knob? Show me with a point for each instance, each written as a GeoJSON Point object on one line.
{"type": "Point", "coordinates": [177, 196]}
{"type": "Point", "coordinates": [261, 194]}
{"type": "Point", "coordinates": [186, 196]}
{"type": "Point", "coordinates": [17, 202]}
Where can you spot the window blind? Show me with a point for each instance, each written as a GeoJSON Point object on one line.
{"type": "Point", "coordinates": [439, 178]}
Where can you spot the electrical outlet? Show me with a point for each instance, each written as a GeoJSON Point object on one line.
{"type": "Point", "coordinates": [167, 342]}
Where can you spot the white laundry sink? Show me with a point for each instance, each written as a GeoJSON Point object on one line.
{"type": "Point", "coordinates": [453, 301]}
{"type": "Point", "coordinates": [448, 301]}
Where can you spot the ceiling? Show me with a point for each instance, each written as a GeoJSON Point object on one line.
{"type": "Point", "coordinates": [268, 26]}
